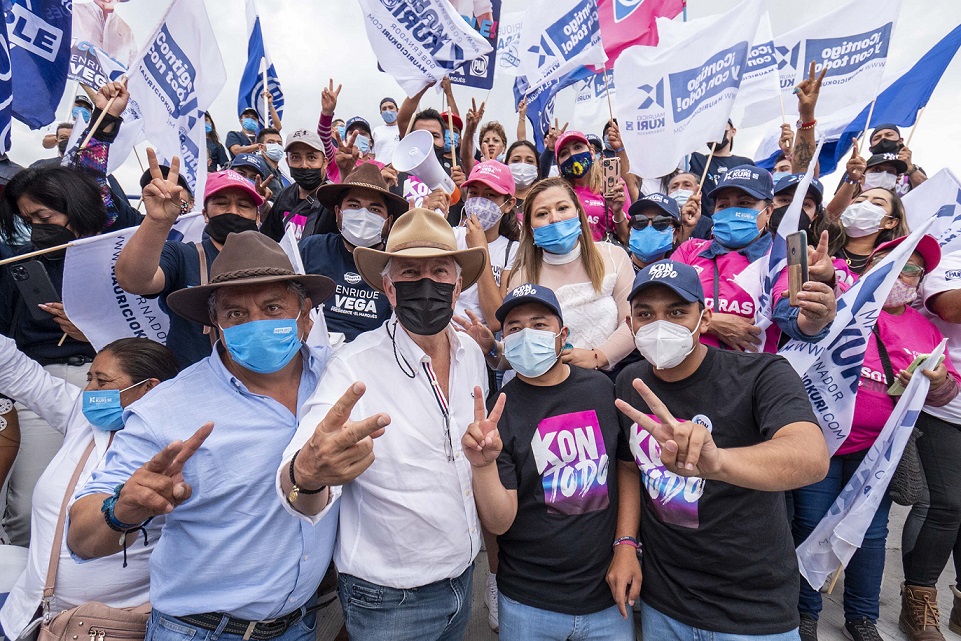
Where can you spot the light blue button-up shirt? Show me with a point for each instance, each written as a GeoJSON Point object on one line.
{"type": "Point", "coordinates": [231, 547]}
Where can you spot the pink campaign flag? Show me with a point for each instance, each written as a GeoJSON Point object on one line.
{"type": "Point", "coordinates": [625, 23]}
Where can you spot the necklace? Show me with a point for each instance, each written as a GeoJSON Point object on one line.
{"type": "Point", "coordinates": [855, 261]}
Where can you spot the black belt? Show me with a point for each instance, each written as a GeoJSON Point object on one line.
{"type": "Point", "coordinates": [256, 630]}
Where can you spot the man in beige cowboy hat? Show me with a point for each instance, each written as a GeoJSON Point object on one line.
{"type": "Point", "coordinates": [365, 210]}
{"type": "Point", "coordinates": [230, 559]}
{"type": "Point", "coordinates": [408, 521]}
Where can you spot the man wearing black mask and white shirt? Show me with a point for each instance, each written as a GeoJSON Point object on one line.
{"type": "Point", "coordinates": [718, 553]}
{"type": "Point", "coordinates": [150, 265]}
{"type": "Point", "coordinates": [722, 160]}
{"type": "Point", "coordinates": [297, 206]}
{"type": "Point", "coordinates": [409, 530]}
{"type": "Point", "coordinates": [886, 139]}
{"type": "Point", "coordinates": [364, 209]}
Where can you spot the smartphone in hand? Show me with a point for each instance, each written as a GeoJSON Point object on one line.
{"type": "Point", "coordinates": [35, 288]}
{"type": "Point", "coordinates": [797, 264]}
{"type": "Point", "coordinates": [611, 171]}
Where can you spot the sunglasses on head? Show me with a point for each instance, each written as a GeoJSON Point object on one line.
{"type": "Point", "coordinates": [660, 223]}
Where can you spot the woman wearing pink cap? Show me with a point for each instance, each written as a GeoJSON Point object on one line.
{"type": "Point", "coordinates": [579, 166]}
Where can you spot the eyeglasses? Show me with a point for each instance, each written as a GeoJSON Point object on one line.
{"type": "Point", "coordinates": [660, 223]}
{"type": "Point", "coordinates": [909, 271]}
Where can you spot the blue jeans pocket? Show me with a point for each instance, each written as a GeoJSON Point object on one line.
{"type": "Point", "coordinates": [161, 628]}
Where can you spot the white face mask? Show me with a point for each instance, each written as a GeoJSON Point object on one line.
{"type": "Point", "coordinates": [361, 227]}
{"type": "Point", "coordinates": [665, 344]}
{"type": "Point", "coordinates": [862, 219]}
{"type": "Point", "coordinates": [487, 212]}
{"type": "Point", "coordinates": [680, 196]}
{"type": "Point", "coordinates": [882, 179]}
{"type": "Point", "coordinates": [524, 174]}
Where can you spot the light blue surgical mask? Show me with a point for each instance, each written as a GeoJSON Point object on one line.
{"type": "Point", "coordinates": [680, 196]}
{"type": "Point", "coordinates": [363, 143]}
{"type": "Point", "coordinates": [531, 352]}
{"type": "Point", "coordinates": [274, 151]}
{"type": "Point", "coordinates": [736, 227]}
{"type": "Point", "coordinates": [649, 244]}
{"type": "Point", "coordinates": [249, 124]}
{"type": "Point", "coordinates": [263, 346]}
{"type": "Point", "coordinates": [102, 408]}
{"type": "Point", "coordinates": [208, 127]}
{"type": "Point", "coordinates": [79, 112]}
{"type": "Point", "coordinates": [390, 117]}
{"type": "Point", "coordinates": [560, 237]}
{"type": "Point", "coordinates": [778, 175]}
{"type": "Point", "coordinates": [447, 140]}
{"type": "Point", "coordinates": [342, 131]}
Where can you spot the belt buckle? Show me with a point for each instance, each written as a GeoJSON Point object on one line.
{"type": "Point", "coordinates": [251, 625]}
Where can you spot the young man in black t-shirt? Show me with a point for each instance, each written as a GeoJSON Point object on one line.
{"type": "Point", "coordinates": [718, 554]}
{"type": "Point", "coordinates": [551, 497]}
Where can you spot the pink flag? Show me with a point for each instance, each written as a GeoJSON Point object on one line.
{"type": "Point", "coordinates": [625, 23]}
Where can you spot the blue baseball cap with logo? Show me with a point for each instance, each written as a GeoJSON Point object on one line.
{"type": "Point", "coordinates": [750, 179]}
{"type": "Point", "coordinates": [529, 293]}
{"type": "Point", "coordinates": [357, 121]}
{"type": "Point", "coordinates": [679, 277]}
{"type": "Point", "coordinates": [815, 189]}
{"type": "Point", "coordinates": [660, 201]}
{"type": "Point", "coordinates": [254, 161]}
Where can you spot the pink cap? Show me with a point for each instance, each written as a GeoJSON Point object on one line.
{"type": "Point", "coordinates": [492, 173]}
{"type": "Point", "coordinates": [927, 247]}
{"type": "Point", "coordinates": [230, 179]}
{"type": "Point", "coordinates": [569, 136]}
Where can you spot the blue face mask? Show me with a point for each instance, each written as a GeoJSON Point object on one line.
{"type": "Point", "coordinates": [102, 408]}
{"type": "Point", "coordinates": [342, 131]}
{"type": "Point", "coordinates": [79, 112]}
{"type": "Point", "coordinates": [531, 352]}
{"type": "Point", "coordinates": [390, 117]}
{"type": "Point", "coordinates": [560, 237]}
{"type": "Point", "coordinates": [778, 175]}
{"type": "Point", "coordinates": [447, 140]}
{"type": "Point", "coordinates": [363, 144]}
{"type": "Point", "coordinates": [577, 165]}
{"type": "Point", "coordinates": [249, 124]}
{"type": "Point", "coordinates": [736, 227]}
{"type": "Point", "coordinates": [208, 127]}
{"type": "Point", "coordinates": [263, 346]}
{"type": "Point", "coordinates": [649, 245]}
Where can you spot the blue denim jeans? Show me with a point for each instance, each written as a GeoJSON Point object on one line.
{"type": "Point", "coordinates": [657, 625]}
{"type": "Point", "coordinates": [438, 611]}
{"type": "Point", "coordinates": [164, 627]}
{"type": "Point", "coordinates": [862, 576]}
{"type": "Point", "coordinates": [519, 622]}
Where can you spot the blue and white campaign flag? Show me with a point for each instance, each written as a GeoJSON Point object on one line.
{"type": "Point", "coordinates": [39, 41]}
{"type": "Point", "coordinates": [479, 74]}
{"type": "Point", "coordinates": [251, 91]}
{"type": "Point", "coordinates": [6, 91]}
{"type": "Point", "coordinates": [591, 106]}
{"type": "Point", "coordinates": [558, 37]}
{"type": "Point", "coordinates": [509, 44]}
{"type": "Point", "coordinates": [420, 41]}
{"type": "Point", "coordinates": [176, 80]}
{"type": "Point", "coordinates": [937, 198]}
{"type": "Point", "coordinates": [840, 533]}
{"type": "Point", "coordinates": [673, 97]}
{"type": "Point", "coordinates": [540, 100]}
{"type": "Point", "coordinates": [831, 368]}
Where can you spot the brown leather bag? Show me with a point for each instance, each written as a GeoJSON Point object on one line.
{"type": "Point", "coordinates": [91, 621]}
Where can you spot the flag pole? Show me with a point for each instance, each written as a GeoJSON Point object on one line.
{"type": "Point", "coordinates": [96, 125]}
{"type": "Point", "coordinates": [867, 125]}
{"type": "Point", "coordinates": [39, 252]}
{"type": "Point", "coordinates": [707, 165]}
{"type": "Point", "coordinates": [607, 90]}
{"type": "Point", "coordinates": [834, 581]}
{"type": "Point", "coordinates": [450, 128]}
{"type": "Point", "coordinates": [914, 128]}
{"type": "Point", "coordinates": [780, 99]}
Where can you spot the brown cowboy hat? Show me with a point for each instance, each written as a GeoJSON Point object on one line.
{"type": "Point", "coordinates": [248, 258]}
{"type": "Point", "coordinates": [365, 176]}
{"type": "Point", "coordinates": [420, 233]}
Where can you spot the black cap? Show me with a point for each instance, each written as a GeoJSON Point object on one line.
{"type": "Point", "coordinates": [880, 159]}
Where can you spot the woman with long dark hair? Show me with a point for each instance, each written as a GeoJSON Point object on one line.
{"type": "Point", "coordinates": [216, 154]}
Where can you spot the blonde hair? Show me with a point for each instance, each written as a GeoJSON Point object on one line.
{"type": "Point", "coordinates": [595, 175]}
{"type": "Point", "coordinates": [530, 257]}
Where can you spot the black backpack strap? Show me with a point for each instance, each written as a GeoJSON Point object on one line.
{"type": "Point", "coordinates": [883, 355]}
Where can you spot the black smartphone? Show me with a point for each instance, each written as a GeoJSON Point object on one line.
{"type": "Point", "coordinates": [797, 264]}
{"type": "Point", "coordinates": [35, 287]}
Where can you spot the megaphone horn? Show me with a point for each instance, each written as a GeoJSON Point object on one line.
{"type": "Point", "coordinates": [415, 155]}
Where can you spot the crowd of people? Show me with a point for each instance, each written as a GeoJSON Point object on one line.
{"type": "Point", "coordinates": [554, 368]}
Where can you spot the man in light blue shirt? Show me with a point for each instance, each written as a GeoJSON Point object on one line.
{"type": "Point", "coordinates": [230, 560]}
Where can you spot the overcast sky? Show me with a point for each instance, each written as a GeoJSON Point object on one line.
{"type": "Point", "coordinates": [313, 40]}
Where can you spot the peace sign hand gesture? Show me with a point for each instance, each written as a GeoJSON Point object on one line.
{"type": "Point", "coordinates": [687, 448]}
{"type": "Point", "coordinates": [158, 486]}
{"type": "Point", "coordinates": [482, 440]}
{"type": "Point", "coordinates": [807, 93]}
{"type": "Point", "coordinates": [328, 98]}
{"type": "Point", "coordinates": [162, 196]}
{"type": "Point", "coordinates": [856, 165]}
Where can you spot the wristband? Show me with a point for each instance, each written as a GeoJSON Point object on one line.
{"type": "Point", "coordinates": [108, 515]}
{"type": "Point", "coordinates": [618, 150]}
{"type": "Point", "coordinates": [850, 181]}
{"type": "Point", "coordinates": [296, 490]}
{"type": "Point", "coordinates": [628, 540]}
{"type": "Point", "coordinates": [806, 125]}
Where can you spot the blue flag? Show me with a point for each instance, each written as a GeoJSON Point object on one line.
{"type": "Point", "coordinates": [39, 40]}
{"type": "Point", "coordinates": [250, 95]}
{"type": "Point", "coordinates": [6, 90]}
{"type": "Point", "coordinates": [540, 100]}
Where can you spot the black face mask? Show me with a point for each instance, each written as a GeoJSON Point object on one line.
{"type": "Point", "coordinates": [424, 306]}
{"type": "Point", "coordinates": [45, 236]}
{"type": "Point", "coordinates": [778, 215]}
{"type": "Point", "coordinates": [62, 146]}
{"type": "Point", "coordinates": [308, 179]}
{"type": "Point", "coordinates": [718, 146]}
{"type": "Point", "coordinates": [886, 146]}
{"type": "Point", "coordinates": [219, 226]}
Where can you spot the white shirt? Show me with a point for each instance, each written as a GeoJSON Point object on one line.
{"type": "Point", "coordinates": [501, 252]}
{"type": "Point", "coordinates": [409, 519]}
{"type": "Point", "coordinates": [946, 277]}
{"type": "Point", "coordinates": [105, 579]}
{"type": "Point", "coordinates": [386, 138]}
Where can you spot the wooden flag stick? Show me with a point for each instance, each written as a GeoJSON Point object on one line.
{"type": "Point", "coordinates": [867, 125]}
{"type": "Point", "coordinates": [914, 128]}
{"type": "Point", "coordinates": [607, 90]}
{"type": "Point", "coordinates": [834, 581]}
{"type": "Point", "coordinates": [780, 99]}
{"type": "Point", "coordinates": [707, 165]}
{"type": "Point", "coordinates": [62, 339]}
{"type": "Point", "coordinates": [96, 125]}
{"type": "Point", "coordinates": [39, 252]}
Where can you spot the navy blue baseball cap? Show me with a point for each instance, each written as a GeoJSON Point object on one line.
{"type": "Point", "coordinates": [358, 121]}
{"type": "Point", "coordinates": [660, 201]}
{"type": "Point", "coordinates": [529, 293]}
{"type": "Point", "coordinates": [680, 277]}
{"type": "Point", "coordinates": [595, 140]}
{"type": "Point", "coordinates": [815, 189]}
{"type": "Point", "coordinates": [750, 179]}
{"type": "Point", "coordinates": [887, 125]}
{"type": "Point", "coordinates": [254, 161]}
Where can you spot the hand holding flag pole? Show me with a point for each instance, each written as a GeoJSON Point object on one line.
{"type": "Point", "coordinates": [103, 112]}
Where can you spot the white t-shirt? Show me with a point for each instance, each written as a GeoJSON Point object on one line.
{"type": "Point", "coordinates": [502, 252]}
{"type": "Point", "coordinates": [386, 138]}
{"type": "Point", "coordinates": [946, 277]}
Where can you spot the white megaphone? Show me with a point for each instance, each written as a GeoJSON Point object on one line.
{"type": "Point", "coordinates": [415, 155]}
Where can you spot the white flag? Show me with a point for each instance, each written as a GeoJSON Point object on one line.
{"type": "Point", "coordinates": [831, 368]}
{"type": "Point", "coordinates": [938, 197]}
{"type": "Point", "coordinates": [318, 336]}
{"type": "Point", "coordinates": [673, 97]}
{"type": "Point", "coordinates": [509, 44]}
{"type": "Point", "coordinates": [558, 37]}
{"type": "Point", "coordinates": [841, 532]}
{"type": "Point", "coordinates": [420, 41]}
{"type": "Point", "coordinates": [591, 107]}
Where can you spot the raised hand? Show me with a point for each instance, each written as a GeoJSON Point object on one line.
{"type": "Point", "coordinates": [482, 440]}
{"type": "Point", "coordinates": [66, 325]}
{"type": "Point", "coordinates": [116, 91]}
{"type": "Point", "coordinates": [550, 139]}
{"type": "Point", "coordinates": [347, 155]}
{"type": "Point", "coordinates": [614, 137]}
{"type": "Point", "coordinates": [262, 187]}
{"type": "Point", "coordinates": [820, 264]}
{"type": "Point", "coordinates": [807, 91]}
{"type": "Point", "coordinates": [474, 115]}
{"type": "Point", "coordinates": [158, 486]}
{"type": "Point", "coordinates": [162, 196]}
{"type": "Point", "coordinates": [687, 448]}
{"type": "Point", "coordinates": [328, 98]}
{"type": "Point", "coordinates": [268, 97]}
{"type": "Point", "coordinates": [339, 449]}
{"type": "Point", "coordinates": [906, 156]}
{"type": "Point", "coordinates": [856, 165]}
{"type": "Point", "coordinates": [786, 141]}
{"type": "Point", "coordinates": [522, 108]}
{"type": "Point", "coordinates": [389, 175]}
{"type": "Point", "coordinates": [691, 211]}
{"type": "Point", "coordinates": [476, 329]}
